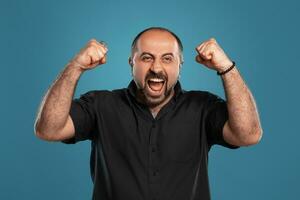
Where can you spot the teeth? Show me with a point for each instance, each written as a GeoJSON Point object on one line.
{"type": "Point", "coordinates": [156, 80]}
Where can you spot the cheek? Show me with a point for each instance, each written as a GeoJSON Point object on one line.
{"type": "Point", "coordinates": [139, 74]}
{"type": "Point", "coordinates": [172, 76]}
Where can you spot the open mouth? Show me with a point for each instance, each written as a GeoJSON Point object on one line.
{"type": "Point", "coordinates": [156, 84]}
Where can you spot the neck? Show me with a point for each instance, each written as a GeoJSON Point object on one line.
{"type": "Point", "coordinates": [155, 109]}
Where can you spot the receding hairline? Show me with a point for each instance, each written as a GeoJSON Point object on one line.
{"type": "Point", "coordinates": [161, 29]}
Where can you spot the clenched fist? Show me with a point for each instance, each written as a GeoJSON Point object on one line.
{"type": "Point", "coordinates": [212, 56]}
{"type": "Point", "coordinates": [93, 54]}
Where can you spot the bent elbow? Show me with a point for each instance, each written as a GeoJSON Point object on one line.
{"type": "Point", "coordinates": [37, 129]}
{"type": "Point", "coordinates": [254, 138]}
{"type": "Point", "coordinates": [41, 133]}
{"type": "Point", "coordinates": [43, 136]}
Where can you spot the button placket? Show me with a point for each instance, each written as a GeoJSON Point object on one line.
{"type": "Point", "coordinates": [153, 124]}
{"type": "Point", "coordinates": [153, 149]}
{"type": "Point", "coordinates": [154, 172]}
{"type": "Point", "coordinates": [153, 161]}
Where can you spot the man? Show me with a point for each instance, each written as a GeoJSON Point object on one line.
{"type": "Point", "coordinates": [150, 140]}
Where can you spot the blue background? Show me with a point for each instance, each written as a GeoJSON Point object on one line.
{"type": "Point", "coordinates": [39, 37]}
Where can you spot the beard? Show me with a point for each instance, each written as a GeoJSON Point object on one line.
{"type": "Point", "coordinates": [153, 101]}
{"type": "Point", "coordinates": [145, 94]}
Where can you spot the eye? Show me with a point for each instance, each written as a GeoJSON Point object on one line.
{"type": "Point", "coordinates": [168, 59]}
{"type": "Point", "coordinates": [146, 58]}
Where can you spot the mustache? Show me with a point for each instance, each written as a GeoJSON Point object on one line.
{"type": "Point", "coordinates": [156, 75]}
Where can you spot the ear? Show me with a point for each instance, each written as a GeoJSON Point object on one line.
{"type": "Point", "coordinates": [131, 65]}
{"type": "Point", "coordinates": [180, 65]}
{"type": "Point", "coordinates": [130, 61]}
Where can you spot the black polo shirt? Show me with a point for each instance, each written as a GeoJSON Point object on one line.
{"type": "Point", "coordinates": [137, 157]}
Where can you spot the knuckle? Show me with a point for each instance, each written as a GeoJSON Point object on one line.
{"type": "Point", "coordinates": [101, 55]}
{"type": "Point", "coordinates": [100, 50]}
{"type": "Point", "coordinates": [92, 42]}
{"type": "Point", "coordinates": [212, 42]}
{"type": "Point", "coordinates": [90, 48]}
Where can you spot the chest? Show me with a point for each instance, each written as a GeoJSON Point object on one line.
{"type": "Point", "coordinates": [176, 136]}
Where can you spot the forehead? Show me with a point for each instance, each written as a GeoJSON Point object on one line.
{"type": "Point", "coordinates": [156, 42]}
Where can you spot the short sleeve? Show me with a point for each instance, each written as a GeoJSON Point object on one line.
{"type": "Point", "coordinates": [216, 117]}
{"type": "Point", "coordinates": [82, 112]}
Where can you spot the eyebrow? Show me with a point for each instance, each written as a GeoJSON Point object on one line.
{"type": "Point", "coordinates": [165, 54]}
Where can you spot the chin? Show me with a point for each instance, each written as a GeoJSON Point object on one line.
{"type": "Point", "coordinates": [155, 101]}
{"type": "Point", "coordinates": [151, 99]}
{"type": "Point", "coordinates": [152, 102]}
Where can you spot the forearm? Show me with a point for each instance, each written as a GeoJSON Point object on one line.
{"type": "Point", "coordinates": [243, 115]}
{"type": "Point", "coordinates": [54, 109]}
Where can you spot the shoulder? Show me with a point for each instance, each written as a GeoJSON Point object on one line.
{"type": "Point", "coordinates": [103, 93]}
{"type": "Point", "coordinates": [199, 96]}
{"type": "Point", "coordinates": [94, 95]}
{"type": "Point", "coordinates": [104, 96]}
{"type": "Point", "coordinates": [198, 100]}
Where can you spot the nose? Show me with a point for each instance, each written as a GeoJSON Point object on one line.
{"type": "Point", "coordinates": [156, 67]}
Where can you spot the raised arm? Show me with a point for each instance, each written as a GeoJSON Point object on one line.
{"type": "Point", "coordinates": [53, 122]}
{"type": "Point", "coordinates": [243, 127]}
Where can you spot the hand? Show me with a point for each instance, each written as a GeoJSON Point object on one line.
{"type": "Point", "coordinates": [212, 56]}
{"type": "Point", "coordinates": [93, 54]}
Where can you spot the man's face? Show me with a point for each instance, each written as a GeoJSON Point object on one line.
{"type": "Point", "coordinates": [155, 66]}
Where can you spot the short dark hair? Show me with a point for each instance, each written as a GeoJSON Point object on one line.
{"type": "Point", "coordinates": [133, 45]}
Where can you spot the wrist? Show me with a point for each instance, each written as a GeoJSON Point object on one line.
{"type": "Point", "coordinates": [72, 72]}
{"type": "Point", "coordinates": [75, 66]}
{"type": "Point", "coordinates": [226, 69]}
